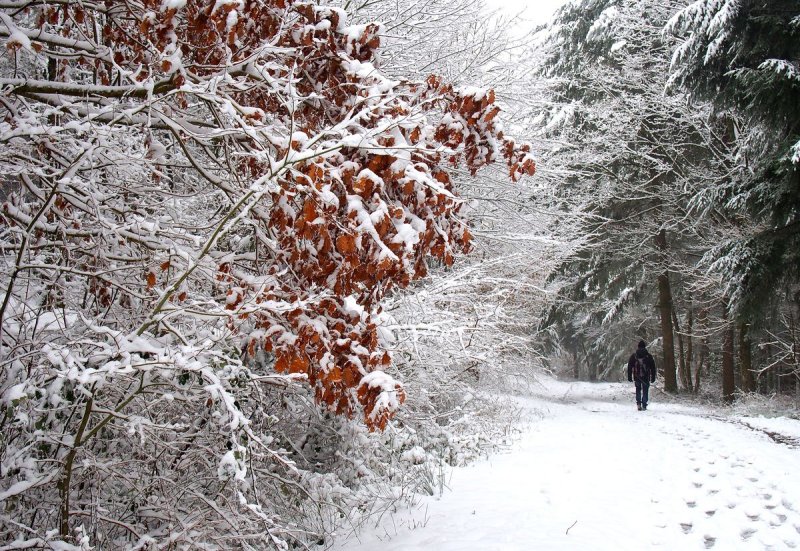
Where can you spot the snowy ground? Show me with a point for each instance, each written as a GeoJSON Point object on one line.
{"type": "Point", "coordinates": [592, 473]}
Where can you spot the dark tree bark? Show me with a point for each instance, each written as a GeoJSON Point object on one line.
{"type": "Point", "coordinates": [702, 322]}
{"type": "Point", "coordinates": [795, 365]}
{"type": "Point", "coordinates": [683, 373]}
{"type": "Point", "coordinates": [591, 371]}
{"type": "Point", "coordinates": [665, 309]}
{"type": "Point", "coordinates": [689, 347]}
{"type": "Point", "coordinates": [748, 382]}
{"type": "Point", "coordinates": [728, 370]}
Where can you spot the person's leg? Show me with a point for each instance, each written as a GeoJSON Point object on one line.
{"type": "Point", "coordinates": [645, 393]}
{"type": "Point", "coordinates": [638, 384]}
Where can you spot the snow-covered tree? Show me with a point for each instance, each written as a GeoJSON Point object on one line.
{"type": "Point", "coordinates": [203, 204]}
{"type": "Point", "coordinates": [461, 40]}
{"type": "Point", "coordinates": [631, 163]}
{"type": "Point", "coordinates": [744, 56]}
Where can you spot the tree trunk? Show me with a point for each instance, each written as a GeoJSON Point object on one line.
{"type": "Point", "coordinates": [683, 374]}
{"type": "Point", "coordinates": [576, 366]}
{"type": "Point", "coordinates": [702, 322]}
{"type": "Point", "coordinates": [728, 371]}
{"type": "Point", "coordinates": [591, 372]}
{"type": "Point", "coordinates": [665, 309]}
{"type": "Point", "coordinates": [795, 355]}
{"type": "Point", "coordinates": [689, 346]}
{"type": "Point", "coordinates": [746, 359]}
{"type": "Point", "coordinates": [65, 482]}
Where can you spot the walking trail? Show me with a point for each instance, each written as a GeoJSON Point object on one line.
{"type": "Point", "coordinates": [592, 473]}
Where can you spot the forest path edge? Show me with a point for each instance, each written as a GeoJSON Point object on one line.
{"type": "Point", "coordinates": [593, 472]}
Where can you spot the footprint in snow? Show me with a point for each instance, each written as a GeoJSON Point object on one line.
{"type": "Point", "coordinates": [686, 527]}
{"type": "Point", "coordinates": [709, 541]}
{"type": "Point", "coordinates": [777, 521]}
{"type": "Point", "coordinates": [691, 504]}
{"type": "Point", "coordinates": [788, 504]}
{"type": "Point", "coordinates": [771, 502]}
{"type": "Point", "coordinates": [711, 512]}
{"type": "Point", "coordinates": [770, 543]}
{"type": "Point", "coordinates": [747, 533]}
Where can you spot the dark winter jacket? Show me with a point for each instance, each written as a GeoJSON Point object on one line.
{"type": "Point", "coordinates": [649, 363]}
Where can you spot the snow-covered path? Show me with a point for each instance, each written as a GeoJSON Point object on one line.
{"type": "Point", "coordinates": [595, 474]}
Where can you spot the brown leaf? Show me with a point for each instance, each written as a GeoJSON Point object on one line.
{"type": "Point", "coordinates": [489, 116]}
{"type": "Point", "coordinates": [298, 364]}
{"type": "Point", "coordinates": [346, 244]}
{"type": "Point", "coordinates": [350, 375]}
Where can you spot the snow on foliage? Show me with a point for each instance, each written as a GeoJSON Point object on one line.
{"type": "Point", "coordinates": [617, 306]}
{"type": "Point", "coordinates": [783, 68]}
{"type": "Point", "coordinates": [708, 23]}
{"type": "Point", "coordinates": [743, 57]}
{"type": "Point", "coordinates": [603, 24]}
{"type": "Point", "coordinates": [203, 205]}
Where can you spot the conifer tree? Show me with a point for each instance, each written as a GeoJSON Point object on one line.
{"type": "Point", "coordinates": [634, 158]}
{"type": "Point", "coordinates": [744, 56]}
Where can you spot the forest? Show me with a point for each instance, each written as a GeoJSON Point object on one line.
{"type": "Point", "coordinates": [270, 267]}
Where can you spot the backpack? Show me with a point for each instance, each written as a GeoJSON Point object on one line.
{"type": "Point", "coordinates": [640, 370]}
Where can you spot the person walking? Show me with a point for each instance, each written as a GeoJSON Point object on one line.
{"type": "Point", "coordinates": [642, 371]}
